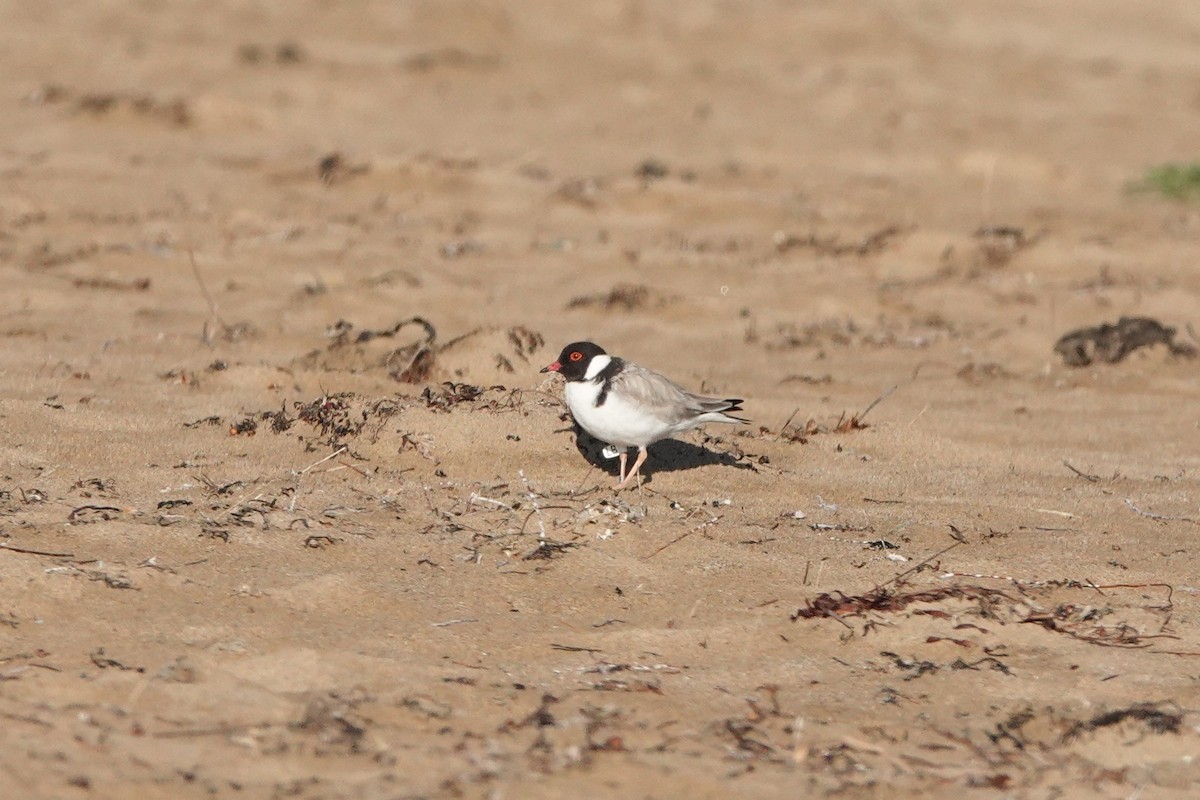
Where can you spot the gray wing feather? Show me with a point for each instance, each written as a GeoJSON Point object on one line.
{"type": "Point", "coordinates": [663, 397]}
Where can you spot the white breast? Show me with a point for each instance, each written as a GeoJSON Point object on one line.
{"type": "Point", "coordinates": [616, 422]}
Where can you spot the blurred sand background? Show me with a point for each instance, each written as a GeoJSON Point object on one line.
{"type": "Point", "coordinates": [261, 543]}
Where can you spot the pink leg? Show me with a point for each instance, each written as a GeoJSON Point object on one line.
{"type": "Point", "coordinates": [623, 456]}
{"type": "Point", "coordinates": [642, 453]}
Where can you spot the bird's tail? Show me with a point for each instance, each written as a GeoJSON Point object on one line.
{"type": "Point", "coordinates": [718, 409]}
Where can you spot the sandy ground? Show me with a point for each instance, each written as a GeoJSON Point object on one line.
{"type": "Point", "coordinates": [263, 543]}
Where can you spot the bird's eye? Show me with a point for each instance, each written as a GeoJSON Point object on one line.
{"type": "Point", "coordinates": [576, 356]}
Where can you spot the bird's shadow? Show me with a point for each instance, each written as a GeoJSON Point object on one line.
{"type": "Point", "coordinates": [669, 455]}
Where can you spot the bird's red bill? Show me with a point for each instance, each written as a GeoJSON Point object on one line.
{"type": "Point", "coordinates": [555, 367]}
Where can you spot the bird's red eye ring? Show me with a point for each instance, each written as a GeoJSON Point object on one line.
{"type": "Point", "coordinates": [576, 356]}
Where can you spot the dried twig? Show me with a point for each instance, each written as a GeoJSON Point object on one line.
{"type": "Point", "coordinates": [478, 498]}
{"type": "Point", "coordinates": [1087, 476]}
{"type": "Point", "coordinates": [537, 512]}
{"type": "Point", "coordinates": [1159, 517]}
{"type": "Point", "coordinates": [214, 320]}
{"type": "Point", "coordinates": [678, 538]}
{"type": "Point", "coordinates": [571, 648]}
{"type": "Point", "coordinates": [217, 730]}
{"type": "Point", "coordinates": [318, 462]}
{"type": "Point", "coordinates": [15, 549]}
{"type": "Point", "coordinates": [919, 565]}
{"type": "Point", "coordinates": [877, 401]}
{"type": "Point", "coordinates": [537, 508]}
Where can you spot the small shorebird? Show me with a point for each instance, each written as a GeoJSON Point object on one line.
{"type": "Point", "coordinates": [624, 405]}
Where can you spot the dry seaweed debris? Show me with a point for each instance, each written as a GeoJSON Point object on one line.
{"type": "Point", "coordinates": [1087, 623]}
{"type": "Point", "coordinates": [410, 363]}
{"type": "Point", "coordinates": [450, 394]}
{"type": "Point", "coordinates": [792, 433]}
{"type": "Point", "coordinates": [415, 361]}
{"type": "Point", "coordinates": [1151, 715]}
{"type": "Point", "coordinates": [337, 417]}
{"type": "Point", "coordinates": [1112, 343]}
{"type": "Point", "coordinates": [174, 111]}
{"type": "Point", "coordinates": [521, 342]}
{"type": "Point", "coordinates": [1082, 622]}
{"type": "Point", "coordinates": [999, 243]}
{"type": "Point", "coordinates": [334, 723]}
{"type": "Point", "coordinates": [331, 415]}
{"type": "Point", "coordinates": [837, 604]}
{"type": "Point", "coordinates": [342, 416]}
{"type": "Point", "coordinates": [622, 297]}
{"type": "Point", "coordinates": [833, 245]}
{"type": "Point", "coordinates": [845, 424]}
{"type": "Point", "coordinates": [334, 168]}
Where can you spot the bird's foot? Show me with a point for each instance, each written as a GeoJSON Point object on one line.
{"type": "Point", "coordinates": [635, 471]}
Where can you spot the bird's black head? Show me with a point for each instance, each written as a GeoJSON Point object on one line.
{"type": "Point", "coordinates": [573, 361]}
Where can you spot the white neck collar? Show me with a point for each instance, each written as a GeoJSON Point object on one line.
{"type": "Point", "coordinates": [596, 366]}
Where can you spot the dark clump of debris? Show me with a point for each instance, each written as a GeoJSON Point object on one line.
{"type": "Point", "coordinates": [173, 111]}
{"type": "Point", "coordinates": [999, 243]}
{"type": "Point", "coordinates": [411, 352]}
{"type": "Point", "coordinates": [336, 418]}
{"type": "Point", "coordinates": [1111, 343]}
{"type": "Point", "coordinates": [880, 599]}
{"type": "Point", "coordinates": [213, 420]}
{"type": "Point", "coordinates": [622, 297]}
{"type": "Point", "coordinates": [652, 170]}
{"type": "Point", "coordinates": [332, 719]}
{"type": "Point", "coordinates": [282, 53]}
{"type": "Point", "coordinates": [1153, 717]}
{"type": "Point", "coordinates": [833, 245]}
{"type": "Point", "coordinates": [408, 363]}
{"type": "Point", "coordinates": [334, 167]}
{"type": "Point", "coordinates": [332, 415]}
{"type": "Point", "coordinates": [280, 421]}
{"type": "Point", "coordinates": [244, 427]}
{"type": "Point", "coordinates": [548, 550]}
{"type": "Point", "coordinates": [450, 394]}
